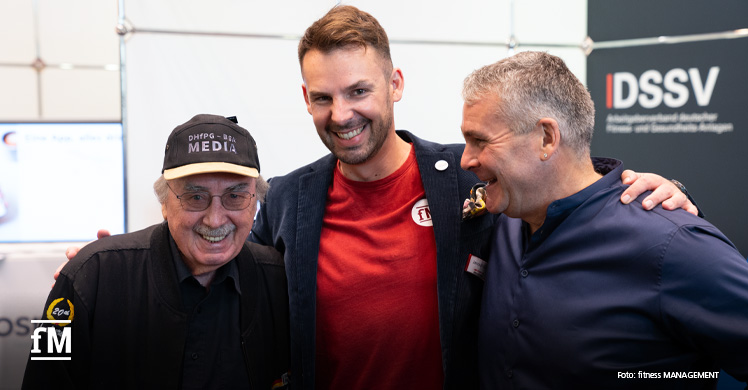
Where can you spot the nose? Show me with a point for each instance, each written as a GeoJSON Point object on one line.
{"type": "Point", "coordinates": [341, 111]}
{"type": "Point", "coordinates": [215, 214]}
{"type": "Point", "coordinates": [469, 160]}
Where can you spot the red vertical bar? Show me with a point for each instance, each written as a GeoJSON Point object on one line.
{"type": "Point", "coordinates": [609, 91]}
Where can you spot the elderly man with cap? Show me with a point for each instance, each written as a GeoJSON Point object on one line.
{"type": "Point", "coordinates": [187, 303]}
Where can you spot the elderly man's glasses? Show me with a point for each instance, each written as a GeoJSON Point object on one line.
{"type": "Point", "coordinates": [201, 200]}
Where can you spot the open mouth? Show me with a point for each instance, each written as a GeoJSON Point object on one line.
{"type": "Point", "coordinates": [350, 134]}
{"type": "Point", "coordinates": [213, 238]}
{"type": "Point", "coordinates": [214, 235]}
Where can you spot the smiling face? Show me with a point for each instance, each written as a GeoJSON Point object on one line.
{"type": "Point", "coordinates": [210, 238]}
{"type": "Point", "coordinates": [506, 161]}
{"type": "Point", "coordinates": [350, 93]}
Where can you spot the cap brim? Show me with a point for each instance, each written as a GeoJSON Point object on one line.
{"type": "Point", "coordinates": [209, 167]}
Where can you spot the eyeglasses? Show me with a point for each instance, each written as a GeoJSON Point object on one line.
{"type": "Point", "coordinates": [201, 200]}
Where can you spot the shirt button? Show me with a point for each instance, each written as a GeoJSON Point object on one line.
{"type": "Point", "coordinates": [515, 323]}
{"type": "Point", "coordinates": [509, 373]}
{"type": "Point", "coordinates": [524, 273]}
{"type": "Point", "coordinates": [194, 356]}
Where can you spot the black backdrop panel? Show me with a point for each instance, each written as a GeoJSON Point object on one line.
{"type": "Point", "coordinates": [679, 110]}
{"type": "Point", "coordinates": [612, 20]}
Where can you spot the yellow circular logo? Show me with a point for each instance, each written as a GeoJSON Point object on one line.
{"type": "Point", "coordinates": [60, 309]}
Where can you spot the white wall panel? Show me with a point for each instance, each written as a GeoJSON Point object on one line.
{"type": "Point", "coordinates": [18, 94]}
{"type": "Point", "coordinates": [17, 32]}
{"type": "Point", "coordinates": [81, 32]}
{"type": "Point", "coordinates": [234, 16]}
{"type": "Point", "coordinates": [80, 95]}
{"type": "Point", "coordinates": [441, 20]}
{"type": "Point", "coordinates": [431, 106]}
{"type": "Point", "coordinates": [550, 22]}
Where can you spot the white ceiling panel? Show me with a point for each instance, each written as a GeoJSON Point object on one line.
{"type": "Point", "coordinates": [80, 94]}
{"type": "Point", "coordinates": [79, 32]}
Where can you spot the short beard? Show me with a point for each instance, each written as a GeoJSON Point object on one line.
{"type": "Point", "coordinates": [367, 151]}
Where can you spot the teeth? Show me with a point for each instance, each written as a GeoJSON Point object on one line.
{"type": "Point", "coordinates": [214, 234]}
{"type": "Point", "coordinates": [214, 238]}
{"type": "Point", "coordinates": [350, 134]}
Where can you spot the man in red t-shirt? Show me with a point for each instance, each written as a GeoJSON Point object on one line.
{"type": "Point", "coordinates": [375, 248]}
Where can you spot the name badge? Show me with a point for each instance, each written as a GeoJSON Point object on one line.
{"type": "Point", "coordinates": [476, 266]}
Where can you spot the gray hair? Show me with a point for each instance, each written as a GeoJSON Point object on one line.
{"type": "Point", "coordinates": [534, 85]}
{"type": "Point", "coordinates": [161, 189]}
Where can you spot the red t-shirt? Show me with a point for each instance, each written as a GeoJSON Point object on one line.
{"type": "Point", "coordinates": [377, 308]}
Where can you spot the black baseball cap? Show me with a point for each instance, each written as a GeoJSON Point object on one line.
{"type": "Point", "coordinates": [208, 144]}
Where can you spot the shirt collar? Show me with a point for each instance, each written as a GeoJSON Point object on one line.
{"type": "Point", "coordinates": [560, 209]}
{"type": "Point", "coordinates": [228, 270]}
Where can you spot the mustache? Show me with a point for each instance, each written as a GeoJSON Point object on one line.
{"type": "Point", "coordinates": [215, 232]}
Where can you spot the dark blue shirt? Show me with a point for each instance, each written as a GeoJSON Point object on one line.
{"type": "Point", "coordinates": [213, 357]}
{"type": "Point", "coordinates": [606, 295]}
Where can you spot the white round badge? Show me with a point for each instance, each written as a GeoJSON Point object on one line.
{"type": "Point", "coordinates": [421, 213]}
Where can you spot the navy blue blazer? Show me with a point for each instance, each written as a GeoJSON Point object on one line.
{"type": "Point", "coordinates": [291, 221]}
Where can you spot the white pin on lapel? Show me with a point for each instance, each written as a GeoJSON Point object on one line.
{"type": "Point", "coordinates": [441, 165]}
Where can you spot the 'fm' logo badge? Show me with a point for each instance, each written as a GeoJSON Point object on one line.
{"type": "Point", "coordinates": [421, 213]}
{"type": "Point", "coordinates": [60, 314]}
{"type": "Point", "coordinates": [652, 89]}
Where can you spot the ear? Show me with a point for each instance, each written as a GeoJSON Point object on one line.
{"type": "Point", "coordinates": [397, 83]}
{"type": "Point", "coordinates": [163, 210]}
{"type": "Point", "coordinates": [551, 137]}
{"type": "Point", "coordinates": [306, 98]}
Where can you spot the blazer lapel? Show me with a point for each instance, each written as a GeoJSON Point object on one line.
{"type": "Point", "coordinates": [313, 188]}
{"type": "Point", "coordinates": [444, 200]}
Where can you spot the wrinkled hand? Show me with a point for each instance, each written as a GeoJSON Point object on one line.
{"type": "Point", "coordinates": [73, 250]}
{"type": "Point", "coordinates": [663, 191]}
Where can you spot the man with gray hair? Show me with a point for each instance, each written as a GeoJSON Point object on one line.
{"type": "Point", "coordinates": [582, 291]}
{"type": "Point", "coordinates": [187, 303]}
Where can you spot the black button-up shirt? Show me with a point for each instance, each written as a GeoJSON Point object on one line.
{"type": "Point", "coordinates": [213, 355]}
